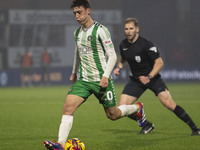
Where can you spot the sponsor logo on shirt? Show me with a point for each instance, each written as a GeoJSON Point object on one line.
{"type": "Point", "coordinates": [138, 59]}
{"type": "Point", "coordinates": [107, 42]}
{"type": "Point", "coordinates": [85, 50]}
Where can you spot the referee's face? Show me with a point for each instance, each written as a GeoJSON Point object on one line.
{"type": "Point", "coordinates": [131, 31]}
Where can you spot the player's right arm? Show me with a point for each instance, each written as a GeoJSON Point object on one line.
{"type": "Point", "coordinates": [73, 76]}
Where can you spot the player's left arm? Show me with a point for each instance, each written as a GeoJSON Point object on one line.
{"type": "Point", "coordinates": [111, 55]}
{"type": "Point", "coordinates": [112, 58]}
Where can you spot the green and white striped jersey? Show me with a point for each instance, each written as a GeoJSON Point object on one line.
{"type": "Point", "coordinates": [94, 53]}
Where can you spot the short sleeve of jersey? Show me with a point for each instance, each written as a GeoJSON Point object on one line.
{"type": "Point", "coordinates": [152, 51]}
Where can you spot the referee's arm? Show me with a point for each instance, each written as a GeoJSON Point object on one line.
{"type": "Point", "coordinates": [158, 64]}
{"type": "Point", "coordinates": [119, 66]}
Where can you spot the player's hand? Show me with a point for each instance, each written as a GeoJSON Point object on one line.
{"type": "Point", "coordinates": [73, 78]}
{"type": "Point", "coordinates": [103, 82]}
{"type": "Point", "coordinates": [144, 79]}
{"type": "Point", "coordinates": [116, 71]}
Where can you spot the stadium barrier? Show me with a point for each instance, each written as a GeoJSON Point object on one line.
{"type": "Point", "coordinates": [60, 76]}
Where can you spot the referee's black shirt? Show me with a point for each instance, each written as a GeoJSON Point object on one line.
{"type": "Point", "coordinates": [140, 56]}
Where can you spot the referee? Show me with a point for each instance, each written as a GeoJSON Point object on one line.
{"type": "Point", "coordinates": [145, 63]}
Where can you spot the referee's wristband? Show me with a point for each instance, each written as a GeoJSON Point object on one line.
{"type": "Point", "coordinates": [150, 77]}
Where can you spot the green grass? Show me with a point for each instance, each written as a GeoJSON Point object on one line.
{"type": "Point", "coordinates": [28, 116]}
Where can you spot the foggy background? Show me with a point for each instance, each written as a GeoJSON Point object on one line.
{"type": "Point", "coordinates": [173, 26]}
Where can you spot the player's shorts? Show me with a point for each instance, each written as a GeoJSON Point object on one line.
{"type": "Point", "coordinates": [135, 88]}
{"type": "Point", "coordinates": [106, 96]}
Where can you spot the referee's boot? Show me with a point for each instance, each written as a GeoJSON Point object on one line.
{"type": "Point", "coordinates": [147, 128]}
{"type": "Point", "coordinates": [196, 131]}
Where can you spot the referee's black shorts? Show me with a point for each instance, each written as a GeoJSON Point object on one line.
{"type": "Point", "coordinates": [135, 88]}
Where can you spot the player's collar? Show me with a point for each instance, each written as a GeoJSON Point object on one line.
{"type": "Point", "coordinates": [85, 29]}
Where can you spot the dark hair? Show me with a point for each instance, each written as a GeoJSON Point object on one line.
{"type": "Point", "coordinates": [134, 20]}
{"type": "Point", "coordinates": [78, 3]}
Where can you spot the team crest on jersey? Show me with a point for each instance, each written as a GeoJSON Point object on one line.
{"type": "Point", "coordinates": [89, 38]}
{"type": "Point", "coordinates": [138, 59]}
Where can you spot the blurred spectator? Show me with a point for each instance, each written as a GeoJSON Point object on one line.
{"type": "Point", "coordinates": [26, 65]}
{"type": "Point", "coordinates": [45, 60]}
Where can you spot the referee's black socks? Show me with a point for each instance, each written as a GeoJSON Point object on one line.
{"type": "Point", "coordinates": [180, 112]}
{"type": "Point", "coordinates": [133, 116]}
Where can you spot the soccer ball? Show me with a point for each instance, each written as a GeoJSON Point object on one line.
{"type": "Point", "coordinates": [74, 144]}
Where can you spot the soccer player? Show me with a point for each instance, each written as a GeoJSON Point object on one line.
{"type": "Point", "coordinates": [95, 57]}
{"type": "Point", "coordinates": [145, 63]}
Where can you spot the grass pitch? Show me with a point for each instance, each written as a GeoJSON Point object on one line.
{"type": "Point", "coordinates": [28, 116]}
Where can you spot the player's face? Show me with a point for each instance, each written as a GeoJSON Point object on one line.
{"type": "Point", "coordinates": [81, 14]}
{"type": "Point", "coordinates": [131, 31]}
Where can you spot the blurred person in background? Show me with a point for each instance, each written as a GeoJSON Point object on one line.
{"type": "Point", "coordinates": [26, 67]}
{"type": "Point", "coordinates": [45, 63]}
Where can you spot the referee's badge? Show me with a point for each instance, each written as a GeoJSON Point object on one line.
{"type": "Point", "coordinates": [138, 59]}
